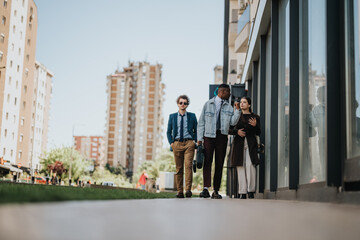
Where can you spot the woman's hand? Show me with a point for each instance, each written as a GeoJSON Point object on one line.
{"type": "Point", "coordinates": [241, 133]}
{"type": "Point", "coordinates": [252, 122]}
{"type": "Point", "coordinates": [237, 105]}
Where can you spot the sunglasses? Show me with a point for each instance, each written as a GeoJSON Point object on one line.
{"type": "Point", "coordinates": [183, 103]}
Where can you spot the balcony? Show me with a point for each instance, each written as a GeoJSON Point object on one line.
{"type": "Point", "coordinates": [241, 42]}
{"type": "Point", "coordinates": [242, 5]}
{"type": "Point", "coordinates": [233, 26]}
{"type": "Point", "coordinates": [240, 70]}
{"type": "Point", "coordinates": [244, 25]}
{"type": "Point", "coordinates": [232, 79]}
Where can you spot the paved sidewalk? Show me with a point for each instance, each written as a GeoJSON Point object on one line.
{"type": "Point", "coordinates": [180, 219]}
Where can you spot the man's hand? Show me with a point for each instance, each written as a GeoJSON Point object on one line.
{"type": "Point", "coordinates": [199, 143]}
{"type": "Point", "coordinates": [241, 133]}
{"type": "Point", "coordinates": [237, 105]}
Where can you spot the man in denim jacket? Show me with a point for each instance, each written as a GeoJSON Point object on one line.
{"type": "Point", "coordinates": [216, 117]}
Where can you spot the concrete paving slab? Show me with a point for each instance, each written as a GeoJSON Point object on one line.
{"type": "Point", "coordinates": [180, 219]}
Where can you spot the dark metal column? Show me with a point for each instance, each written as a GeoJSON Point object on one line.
{"type": "Point", "coordinates": [255, 86]}
{"type": "Point", "coordinates": [294, 96]}
{"type": "Point", "coordinates": [336, 140]}
{"type": "Point", "coordinates": [274, 94]}
{"type": "Point", "coordinates": [226, 41]}
{"type": "Point", "coordinates": [262, 88]}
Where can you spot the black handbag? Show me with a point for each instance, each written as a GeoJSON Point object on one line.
{"type": "Point", "coordinates": [199, 161]}
{"type": "Point", "coordinates": [260, 146]}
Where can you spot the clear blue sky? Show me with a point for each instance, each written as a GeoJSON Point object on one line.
{"type": "Point", "coordinates": [83, 41]}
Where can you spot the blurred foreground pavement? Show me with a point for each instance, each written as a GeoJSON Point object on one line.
{"type": "Point", "coordinates": [180, 219]}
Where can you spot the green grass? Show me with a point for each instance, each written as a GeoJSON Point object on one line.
{"type": "Point", "coordinates": [22, 193]}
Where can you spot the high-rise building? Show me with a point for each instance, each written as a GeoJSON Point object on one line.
{"type": "Point", "coordinates": [35, 132]}
{"type": "Point", "coordinates": [25, 86]}
{"type": "Point", "coordinates": [91, 147]}
{"type": "Point", "coordinates": [134, 115]}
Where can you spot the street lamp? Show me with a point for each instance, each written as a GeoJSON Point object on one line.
{"type": "Point", "coordinates": [71, 153]}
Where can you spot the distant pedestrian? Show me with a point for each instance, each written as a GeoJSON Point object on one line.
{"type": "Point", "coordinates": [142, 180]}
{"type": "Point", "coordinates": [54, 180]}
{"type": "Point", "coordinates": [216, 117]}
{"type": "Point", "coordinates": [244, 154]}
{"type": "Point", "coordinates": [181, 134]}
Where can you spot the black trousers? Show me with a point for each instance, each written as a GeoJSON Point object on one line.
{"type": "Point", "coordinates": [218, 145]}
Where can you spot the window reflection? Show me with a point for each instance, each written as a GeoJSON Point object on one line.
{"type": "Point", "coordinates": [354, 89]}
{"type": "Point", "coordinates": [283, 125]}
{"type": "Point", "coordinates": [313, 91]}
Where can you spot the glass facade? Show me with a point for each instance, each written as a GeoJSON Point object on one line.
{"type": "Point", "coordinates": [353, 78]}
{"type": "Point", "coordinates": [283, 100]}
{"type": "Point", "coordinates": [313, 107]}
{"type": "Point", "coordinates": [268, 111]}
{"type": "Point", "coordinates": [315, 73]}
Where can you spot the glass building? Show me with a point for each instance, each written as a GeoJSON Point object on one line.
{"type": "Point", "coordinates": [302, 70]}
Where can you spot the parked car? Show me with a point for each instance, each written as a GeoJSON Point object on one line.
{"type": "Point", "coordinates": [108, 184]}
{"type": "Point", "coordinates": [38, 180]}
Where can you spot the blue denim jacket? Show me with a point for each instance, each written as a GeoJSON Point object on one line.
{"type": "Point", "coordinates": [207, 120]}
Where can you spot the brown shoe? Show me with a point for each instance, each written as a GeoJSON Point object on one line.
{"type": "Point", "coordinates": [188, 194]}
{"type": "Point", "coordinates": [180, 195]}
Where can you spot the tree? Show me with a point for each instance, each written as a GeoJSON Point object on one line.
{"type": "Point", "coordinates": [119, 170]}
{"type": "Point", "coordinates": [79, 167]}
{"type": "Point", "coordinates": [163, 163]}
{"type": "Point", "coordinates": [103, 175]}
{"type": "Point", "coordinates": [57, 167]}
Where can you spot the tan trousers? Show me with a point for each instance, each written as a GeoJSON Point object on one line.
{"type": "Point", "coordinates": [246, 173]}
{"type": "Point", "coordinates": [183, 153]}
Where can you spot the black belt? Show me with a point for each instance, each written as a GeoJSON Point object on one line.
{"type": "Point", "coordinates": [185, 139]}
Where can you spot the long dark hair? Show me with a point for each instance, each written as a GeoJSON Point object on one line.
{"type": "Point", "coordinates": [248, 99]}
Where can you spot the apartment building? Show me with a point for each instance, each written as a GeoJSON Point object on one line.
{"type": "Point", "coordinates": [240, 18]}
{"type": "Point", "coordinates": [91, 147]}
{"type": "Point", "coordinates": [25, 86]}
{"type": "Point", "coordinates": [35, 131]}
{"type": "Point", "coordinates": [218, 74]}
{"type": "Point", "coordinates": [134, 115]}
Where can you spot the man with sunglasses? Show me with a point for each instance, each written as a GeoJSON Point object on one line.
{"type": "Point", "coordinates": [216, 117]}
{"type": "Point", "coordinates": [181, 134]}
